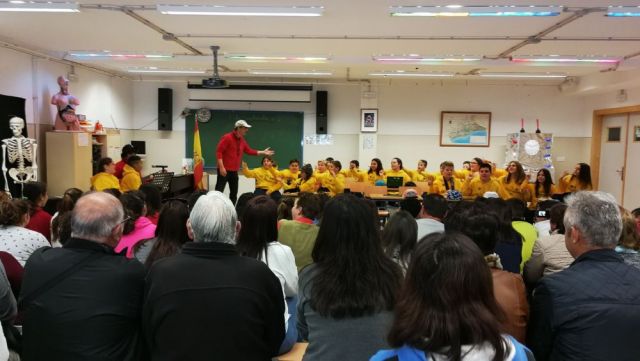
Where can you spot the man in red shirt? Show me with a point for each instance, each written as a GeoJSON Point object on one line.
{"type": "Point", "coordinates": [229, 155]}
{"type": "Point", "coordinates": [126, 152]}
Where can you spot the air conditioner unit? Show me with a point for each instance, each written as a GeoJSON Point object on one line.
{"type": "Point", "coordinates": [252, 93]}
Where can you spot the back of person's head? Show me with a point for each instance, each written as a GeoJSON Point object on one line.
{"type": "Point", "coordinates": [400, 236]}
{"type": "Point", "coordinates": [500, 207]}
{"type": "Point", "coordinates": [213, 219]}
{"type": "Point", "coordinates": [171, 232]}
{"type": "Point", "coordinates": [596, 215]}
{"type": "Point", "coordinates": [411, 205]}
{"type": "Point", "coordinates": [152, 198]}
{"type": "Point", "coordinates": [127, 150]}
{"type": "Point", "coordinates": [308, 206]}
{"type": "Point", "coordinates": [133, 160]}
{"type": "Point", "coordinates": [114, 192]}
{"type": "Point", "coordinates": [547, 204]}
{"type": "Point", "coordinates": [629, 237]}
{"type": "Point", "coordinates": [354, 277]}
{"type": "Point", "coordinates": [518, 209]}
{"type": "Point", "coordinates": [322, 199]}
{"type": "Point", "coordinates": [13, 212]}
{"type": "Point", "coordinates": [134, 207]}
{"type": "Point", "coordinates": [463, 310]}
{"type": "Point", "coordinates": [34, 192]}
{"type": "Point", "coordinates": [478, 223]}
{"type": "Point", "coordinates": [258, 227]}
{"type": "Point", "coordinates": [556, 217]}
{"type": "Point", "coordinates": [585, 174]}
{"type": "Point", "coordinates": [241, 203]}
{"type": "Point", "coordinates": [193, 198]}
{"type": "Point", "coordinates": [284, 208]}
{"type": "Point", "coordinates": [435, 205]}
{"type": "Point", "coordinates": [69, 199]}
{"type": "Point", "coordinates": [95, 217]}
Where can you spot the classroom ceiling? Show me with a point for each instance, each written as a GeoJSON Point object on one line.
{"type": "Point", "coordinates": [349, 33]}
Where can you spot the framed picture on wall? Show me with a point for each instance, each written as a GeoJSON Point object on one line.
{"type": "Point", "coordinates": [636, 134]}
{"type": "Point", "coordinates": [369, 120]}
{"type": "Point", "coordinates": [465, 129]}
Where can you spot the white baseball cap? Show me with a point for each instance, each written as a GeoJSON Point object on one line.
{"type": "Point", "coordinates": [242, 123]}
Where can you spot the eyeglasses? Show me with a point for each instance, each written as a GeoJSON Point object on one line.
{"type": "Point", "coordinates": [124, 220]}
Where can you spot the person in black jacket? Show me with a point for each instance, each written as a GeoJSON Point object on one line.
{"type": "Point", "coordinates": [590, 310]}
{"type": "Point", "coordinates": [84, 301]}
{"type": "Point", "coordinates": [210, 303]}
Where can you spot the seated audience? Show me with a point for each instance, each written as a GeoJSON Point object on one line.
{"type": "Point", "coordinates": [82, 301]}
{"type": "Point", "coordinates": [131, 178]}
{"type": "Point", "coordinates": [137, 226]}
{"type": "Point", "coordinates": [461, 319]}
{"type": "Point", "coordinates": [541, 217]}
{"type": "Point", "coordinates": [170, 235]}
{"type": "Point", "coordinates": [636, 214]}
{"type": "Point", "coordinates": [410, 202]}
{"type": "Point", "coordinates": [484, 227]}
{"type": "Point", "coordinates": [588, 311]}
{"type": "Point", "coordinates": [399, 238]}
{"type": "Point", "coordinates": [14, 237]}
{"type": "Point", "coordinates": [550, 255]}
{"type": "Point", "coordinates": [284, 208]}
{"type": "Point", "coordinates": [509, 241]}
{"type": "Point", "coordinates": [629, 243]}
{"type": "Point", "coordinates": [241, 203]}
{"type": "Point", "coordinates": [39, 220]}
{"type": "Point", "coordinates": [345, 302]}
{"type": "Point", "coordinates": [526, 230]}
{"type": "Point", "coordinates": [434, 209]}
{"type": "Point", "coordinates": [14, 271]}
{"type": "Point", "coordinates": [208, 302]}
{"type": "Point", "coordinates": [153, 201]}
{"type": "Point", "coordinates": [8, 312]}
{"type": "Point", "coordinates": [301, 232]}
{"type": "Point", "coordinates": [193, 198]}
{"type": "Point", "coordinates": [258, 239]}
{"type": "Point", "coordinates": [105, 178]}
{"type": "Point", "coordinates": [61, 221]}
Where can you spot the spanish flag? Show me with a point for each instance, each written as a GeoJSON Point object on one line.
{"type": "Point", "coordinates": [198, 161]}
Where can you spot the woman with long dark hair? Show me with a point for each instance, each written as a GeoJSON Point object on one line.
{"type": "Point", "coordinates": [306, 181]}
{"type": "Point", "coordinates": [171, 233]}
{"type": "Point", "coordinates": [376, 171]}
{"type": "Point", "coordinates": [258, 239]}
{"type": "Point", "coordinates": [347, 294]}
{"type": "Point", "coordinates": [516, 183]}
{"type": "Point", "coordinates": [399, 238]}
{"type": "Point", "coordinates": [137, 226]}
{"type": "Point", "coordinates": [579, 180]}
{"type": "Point", "coordinates": [40, 221]}
{"type": "Point", "coordinates": [447, 309]}
{"type": "Point", "coordinates": [542, 189]}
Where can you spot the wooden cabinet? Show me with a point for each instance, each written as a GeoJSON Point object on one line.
{"type": "Point", "coordinates": [71, 157]}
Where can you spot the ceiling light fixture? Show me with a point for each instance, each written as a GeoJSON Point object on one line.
{"type": "Point", "coordinates": [155, 70]}
{"type": "Point", "coordinates": [219, 10]}
{"type": "Point", "coordinates": [623, 11]}
{"type": "Point", "coordinates": [565, 59]}
{"type": "Point", "coordinates": [523, 75]}
{"type": "Point", "coordinates": [407, 74]}
{"type": "Point", "coordinates": [412, 58]}
{"type": "Point", "coordinates": [33, 6]}
{"type": "Point", "coordinates": [492, 10]}
{"type": "Point", "coordinates": [116, 55]}
{"type": "Point", "coordinates": [276, 58]}
{"type": "Point", "coordinates": [291, 72]}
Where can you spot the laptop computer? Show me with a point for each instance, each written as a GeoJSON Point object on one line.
{"type": "Point", "coordinates": [394, 184]}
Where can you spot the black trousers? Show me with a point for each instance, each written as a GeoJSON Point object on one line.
{"type": "Point", "coordinates": [232, 179]}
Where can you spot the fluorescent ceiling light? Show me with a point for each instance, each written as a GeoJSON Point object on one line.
{"type": "Point", "coordinates": [623, 11]}
{"type": "Point", "coordinates": [276, 58]}
{"type": "Point", "coordinates": [523, 75]}
{"type": "Point", "coordinates": [50, 7]}
{"type": "Point", "coordinates": [493, 10]}
{"type": "Point", "coordinates": [219, 10]}
{"type": "Point", "coordinates": [565, 59]}
{"type": "Point", "coordinates": [165, 71]}
{"type": "Point", "coordinates": [407, 74]}
{"type": "Point", "coordinates": [116, 55]}
{"type": "Point", "coordinates": [412, 58]}
{"type": "Point", "coordinates": [290, 72]}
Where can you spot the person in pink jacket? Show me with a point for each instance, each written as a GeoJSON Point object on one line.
{"type": "Point", "coordinates": [137, 226]}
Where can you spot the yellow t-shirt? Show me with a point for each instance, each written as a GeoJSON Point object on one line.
{"type": "Point", "coordinates": [400, 173]}
{"type": "Point", "coordinates": [265, 178]}
{"type": "Point", "coordinates": [131, 180]}
{"type": "Point", "coordinates": [104, 180]}
{"type": "Point", "coordinates": [515, 190]}
{"type": "Point", "coordinates": [477, 188]}
{"type": "Point", "coordinates": [570, 183]}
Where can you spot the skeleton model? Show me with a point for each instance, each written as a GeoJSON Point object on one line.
{"type": "Point", "coordinates": [20, 154]}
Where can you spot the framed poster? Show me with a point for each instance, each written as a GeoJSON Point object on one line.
{"type": "Point", "coordinates": [369, 120]}
{"type": "Point", "coordinates": [465, 129]}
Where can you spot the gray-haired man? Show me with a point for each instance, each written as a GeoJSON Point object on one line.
{"type": "Point", "coordinates": [209, 302]}
{"type": "Point", "coordinates": [591, 310]}
{"type": "Point", "coordinates": [83, 301]}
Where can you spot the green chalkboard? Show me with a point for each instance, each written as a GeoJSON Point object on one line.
{"type": "Point", "coordinates": [282, 131]}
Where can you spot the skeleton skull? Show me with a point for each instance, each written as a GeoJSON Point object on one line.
{"type": "Point", "coordinates": [16, 125]}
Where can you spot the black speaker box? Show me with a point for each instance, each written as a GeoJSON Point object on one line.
{"type": "Point", "coordinates": [321, 111]}
{"type": "Point", "coordinates": [165, 108]}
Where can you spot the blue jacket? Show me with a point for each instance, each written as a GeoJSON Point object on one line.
{"type": "Point", "coordinates": [590, 311]}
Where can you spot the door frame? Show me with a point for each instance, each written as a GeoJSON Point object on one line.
{"type": "Point", "coordinates": [596, 137]}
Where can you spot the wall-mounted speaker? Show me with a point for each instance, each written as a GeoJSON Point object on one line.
{"type": "Point", "coordinates": [165, 108]}
{"type": "Point", "coordinates": [321, 111]}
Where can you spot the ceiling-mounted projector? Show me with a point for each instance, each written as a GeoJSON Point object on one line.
{"type": "Point", "coordinates": [215, 82]}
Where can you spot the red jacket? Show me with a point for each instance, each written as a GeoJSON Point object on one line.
{"type": "Point", "coordinates": [230, 149]}
{"type": "Point", "coordinates": [119, 168]}
{"type": "Point", "coordinates": [40, 222]}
